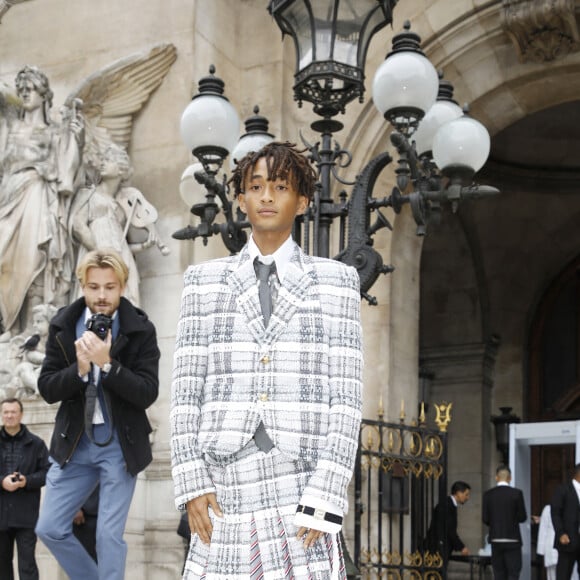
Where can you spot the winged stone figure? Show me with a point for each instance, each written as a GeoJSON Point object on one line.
{"type": "Point", "coordinates": [46, 162]}
{"type": "Point", "coordinates": [113, 96]}
{"type": "Point", "coordinates": [107, 208]}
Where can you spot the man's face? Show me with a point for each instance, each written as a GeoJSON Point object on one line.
{"type": "Point", "coordinates": [102, 291]}
{"type": "Point", "coordinates": [271, 206]}
{"type": "Point", "coordinates": [462, 496]}
{"type": "Point", "coordinates": [11, 415]}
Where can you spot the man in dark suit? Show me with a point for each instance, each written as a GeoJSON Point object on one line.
{"type": "Point", "coordinates": [503, 511]}
{"type": "Point", "coordinates": [442, 535]}
{"type": "Point", "coordinates": [565, 508]}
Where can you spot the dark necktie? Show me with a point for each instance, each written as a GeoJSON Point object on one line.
{"type": "Point", "coordinates": [90, 404]}
{"type": "Point", "coordinates": [93, 392]}
{"type": "Point", "coordinates": [263, 273]}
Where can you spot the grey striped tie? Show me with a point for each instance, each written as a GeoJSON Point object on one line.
{"type": "Point", "coordinates": [263, 273]}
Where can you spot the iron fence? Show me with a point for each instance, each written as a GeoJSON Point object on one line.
{"type": "Point", "coordinates": [400, 475]}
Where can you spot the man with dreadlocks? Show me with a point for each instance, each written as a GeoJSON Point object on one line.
{"type": "Point", "coordinates": [266, 395]}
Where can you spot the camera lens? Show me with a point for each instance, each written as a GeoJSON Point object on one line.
{"type": "Point", "coordinates": [100, 325]}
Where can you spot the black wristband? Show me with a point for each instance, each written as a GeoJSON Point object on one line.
{"type": "Point", "coordinates": [319, 514]}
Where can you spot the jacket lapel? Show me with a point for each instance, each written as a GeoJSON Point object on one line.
{"type": "Point", "coordinates": [292, 294]}
{"type": "Point", "coordinates": [242, 281]}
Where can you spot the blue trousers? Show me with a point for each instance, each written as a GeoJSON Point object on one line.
{"type": "Point", "coordinates": [67, 489]}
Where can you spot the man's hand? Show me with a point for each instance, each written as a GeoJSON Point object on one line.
{"type": "Point", "coordinates": [465, 551]}
{"type": "Point", "coordinates": [564, 539]}
{"type": "Point", "coordinates": [91, 349]}
{"type": "Point", "coordinates": [198, 515]}
{"type": "Point", "coordinates": [79, 518]}
{"type": "Point", "coordinates": [13, 481]}
{"type": "Point", "coordinates": [309, 536]}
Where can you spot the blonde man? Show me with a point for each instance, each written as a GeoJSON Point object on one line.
{"type": "Point", "coordinates": [101, 364]}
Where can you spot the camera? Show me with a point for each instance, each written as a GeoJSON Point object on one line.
{"type": "Point", "coordinates": [16, 477]}
{"type": "Point", "coordinates": [100, 325]}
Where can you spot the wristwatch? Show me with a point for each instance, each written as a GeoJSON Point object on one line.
{"type": "Point", "coordinates": [106, 368]}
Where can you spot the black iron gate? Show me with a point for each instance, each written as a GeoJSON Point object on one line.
{"type": "Point", "coordinates": [401, 473]}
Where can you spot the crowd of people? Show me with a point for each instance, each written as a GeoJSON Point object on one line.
{"type": "Point", "coordinates": [503, 510]}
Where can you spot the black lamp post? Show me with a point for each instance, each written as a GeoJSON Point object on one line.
{"type": "Point", "coordinates": [439, 147]}
{"type": "Point", "coordinates": [502, 431]}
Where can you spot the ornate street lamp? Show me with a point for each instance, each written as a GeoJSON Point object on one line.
{"type": "Point", "coordinates": [331, 38]}
{"type": "Point", "coordinates": [439, 147]}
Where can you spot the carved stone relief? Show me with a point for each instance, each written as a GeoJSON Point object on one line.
{"type": "Point", "coordinates": [541, 30]}
{"type": "Point", "coordinates": [64, 190]}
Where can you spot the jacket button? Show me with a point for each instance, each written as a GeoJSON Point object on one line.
{"type": "Point", "coordinates": [263, 397]}
{"type": "Point", "coordinates": [265, 359]}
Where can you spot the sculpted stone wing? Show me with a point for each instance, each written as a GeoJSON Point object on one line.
{"type": "Point", "coordinates": [9, 107]}
{"type": "Point", "coordinates": [112, 96]}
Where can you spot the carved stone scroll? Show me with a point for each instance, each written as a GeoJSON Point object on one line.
{"type": "Point", "coordinates": [541, 30]}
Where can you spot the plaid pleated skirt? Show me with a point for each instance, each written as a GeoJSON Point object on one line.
{"type": "Point", "coordinates": [256, 537]}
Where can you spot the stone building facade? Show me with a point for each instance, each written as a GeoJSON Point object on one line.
{"type": "Point", "coordinates": [476, 303]}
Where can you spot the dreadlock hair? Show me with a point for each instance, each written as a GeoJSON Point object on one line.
{"type": "Point", "coordinates": [283, 161]}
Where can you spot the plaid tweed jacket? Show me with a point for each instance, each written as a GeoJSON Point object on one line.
{"type": "Point", "coordinates": [302, 375]}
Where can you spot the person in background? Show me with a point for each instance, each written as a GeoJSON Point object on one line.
{"type": "Point", "coordinates": [101, 364]}
{"type": "Point", "coordinates": [565, 510]}
{"type": "Point", "coordinates": [266, 395]}
{"type": "Point", "coordinates": [442, 535]}
{"type": "Point", "coordinates": [23, 467]}
{"type": "Point", "coordinates": [85, 524]}
{"type": "Point", "coordinates": [545, 544]}
{"type": "Point", "coordinates": [503, 510]}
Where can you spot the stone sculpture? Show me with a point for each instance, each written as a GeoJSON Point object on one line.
{"type": "Point", "coordinates": [107, 209]}
{"type": "Point", "coordinates": [26, 355]}
{"type": "Point", "coordinates": [39, 165]}
{"type": "Point", "coordinates": [64, 189]}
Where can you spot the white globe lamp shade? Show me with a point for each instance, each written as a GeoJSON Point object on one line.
{"type": "Point", "coordinates": [210, 121]}
{"type": "Point", "coordinates": [405, 80]}
{"type": "Point", "coordinates": [190, 190]}
{"type": "Point", "coordinates": [463, 143]}
{"type": "Point", "coordinates": [439, 114]}
{"type": "Point", "coordinates": [247, 144]}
